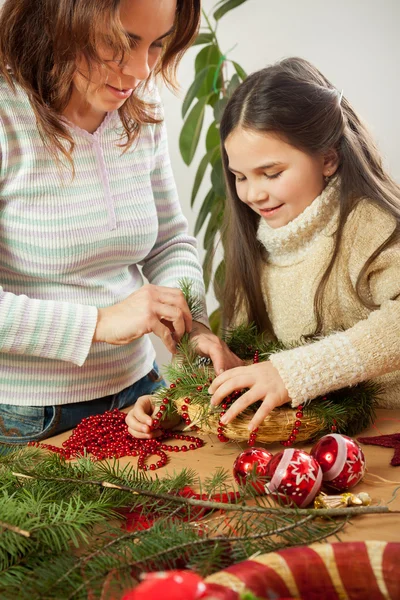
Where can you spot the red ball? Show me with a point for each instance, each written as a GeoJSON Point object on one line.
{"type": "Point", "coordinates": [294, 477]}
{"type": "Point", "coordinates": [168, 585]}
{"type": "Point", "coordinates": [252, 465]}
{"type": "Point", "coordinates": [342, 461]}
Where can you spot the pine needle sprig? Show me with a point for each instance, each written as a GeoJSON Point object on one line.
{"type": "Point", "coordinates": [244, 340]}
{"type": "Point", "coordinates": [195, 303]}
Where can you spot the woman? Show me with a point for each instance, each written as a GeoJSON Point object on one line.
{"type": "Point", "coordinates": [87, 196]}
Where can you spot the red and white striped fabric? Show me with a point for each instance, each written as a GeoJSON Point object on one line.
{"type": "Point", "coordinates": [340, 571]}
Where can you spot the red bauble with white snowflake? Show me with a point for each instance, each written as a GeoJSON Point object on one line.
{"type": "Point", "coordinates": [294, 477]}
{"type": "Point", "coordinates": [342, 461]}
{"type": "Point", "coordinates": [251, 466]}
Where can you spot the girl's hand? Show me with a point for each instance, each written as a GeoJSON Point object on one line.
{"type": "Point", "coordinates": [264, 383]}
{"type": "Point", "coordinates": [210, 345]}
{"type": "Point", "coordinates": [161, 310]}
{"type": "Point", "coordinates": [139, 419]}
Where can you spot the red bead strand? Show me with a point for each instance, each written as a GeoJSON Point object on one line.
{"type": "Point", "coordinates": [253, 434]}
{"type": "Point", "coordinates": [107, 436]}
{"type": "Point", "coordinates": [297, 424]}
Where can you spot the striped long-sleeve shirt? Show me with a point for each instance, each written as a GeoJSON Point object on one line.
{"type": "Point", "coordinates": [71, 245]}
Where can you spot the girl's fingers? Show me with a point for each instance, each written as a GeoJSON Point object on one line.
{"type": "Point", "coordinates": [218, 381]}
{"type": "Point", "coordinates": [217, 356]}
{"type": "Point", "coordinates": [266, 407]}
{"type": "Point", "coordinates": [144, 436]}
{"type": "Point", "coordinates": [240, 405]}
{"type": "Point", "coordinates": [141, 412]}
{"type": "Point", "coordinates": [232, 384]}
{"type": "Point", "coordinates": [139, 425]}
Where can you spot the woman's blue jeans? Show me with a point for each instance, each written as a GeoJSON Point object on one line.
{"type": "Point", "coordinates": [22, 424]}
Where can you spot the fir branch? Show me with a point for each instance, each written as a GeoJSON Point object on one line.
{"type": "Point", "coordinates": [244, 340]}
{"type": "Point", "coordinates": [194, 303]}
{"type": "Point", "coordinates": [15, 529]}
{"type": "Point", "coordinates": [189, 547]}
{"type": "Point", "coordinates": [39, 568]}
{"type": "Point", "coordinates": [320, 512]}
{"type": "Point", "coordinates": [135, 536]}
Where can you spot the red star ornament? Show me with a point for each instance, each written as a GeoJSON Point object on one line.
{"type": "Point", "coordinates": [342, 460]}
{"type": "Point", "coordinates": [294, 477]}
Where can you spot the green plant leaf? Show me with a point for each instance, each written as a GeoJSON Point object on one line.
{"type": "Point", "coordinates": [194, 89]}
{"type": "Point", "coordinates": [219, 108]}
{"type": "Point", "coordinates": [207, 159]}
{"type": "Point", "coordinates": [189, 137]}
{"type": "Point", "coordinates": [209, 55]}
{"type": "Point", "coordinates": [217, 178]}
{"type": "Point", "coordinates": [239, 70]}
{"type": "Point", "coordinates": [207, 267]}
{"type": "Point", "coordinates": [222, 10]}
{"type": "Point", "coordinates": [233, 84]}
{"type": "Point", "coordinates": [203, 38]}
{"type": "Point", "coordinates": [215, 320]}
{"type": "Point", "coordinates": [209, 83]}
{"type": "Point", "coordinates": [212, 137]}
{"type": "Point", "coordinates": [219, 279]}
{"type": "Point", "coordinates": [205, 209]}
{"type": "Point", "coordinates": [214, 224]}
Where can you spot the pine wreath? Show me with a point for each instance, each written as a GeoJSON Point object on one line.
{"type": "Point", "coordinates": [348, 410]}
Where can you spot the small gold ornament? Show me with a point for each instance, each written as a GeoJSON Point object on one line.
{"type": "Point", "coordinates": [342, 500]}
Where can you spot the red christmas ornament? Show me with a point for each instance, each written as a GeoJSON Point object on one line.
{"type": "Point", "coordinates": [252, 463]}
{"type": "Point", "coordinates": [294, 477]}
{"type": "Point", "coordinates": [342, 461]}
{"type": "Point", "coordinates": [168, 585]}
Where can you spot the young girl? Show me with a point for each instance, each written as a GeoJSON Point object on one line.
{"type": "Point", "coordinates": [86, 197]}
{"type": "Point", "coordinates": [312, 236]}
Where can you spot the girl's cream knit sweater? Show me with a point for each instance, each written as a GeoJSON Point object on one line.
{"type": "Point", "coordinates": [358, 343]}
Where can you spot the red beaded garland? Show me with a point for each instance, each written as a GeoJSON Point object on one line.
{"type": "Point", "coordinates": [107, 436]}
{"type": "Point", "coordinates": [253, 434]}
{"type": "Point", "coordinates": [297, 424]}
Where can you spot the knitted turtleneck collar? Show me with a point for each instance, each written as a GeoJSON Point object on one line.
{"type": "Point", "coordinates": [288, 244]}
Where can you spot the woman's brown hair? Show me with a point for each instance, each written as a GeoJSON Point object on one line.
{"type": "Point", "coordinates": [294, 100]}
{"type": "Point", "coordinates": [40, 41]}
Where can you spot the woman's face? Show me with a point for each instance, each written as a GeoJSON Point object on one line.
{"type": "Point", "coordinates": [275, 179]}
{"type": "Point", "coordinates": [147, 23]}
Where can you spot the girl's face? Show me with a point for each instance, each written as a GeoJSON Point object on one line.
{"type": "Point", "coordinates": [273, 178]}
{"type": "Point", "coordinates": [147, 24]}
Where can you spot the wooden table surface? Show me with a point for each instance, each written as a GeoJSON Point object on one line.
{"type": "Point", "coordinates": [369, 527]}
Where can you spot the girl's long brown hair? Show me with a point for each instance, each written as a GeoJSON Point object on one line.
{"type": "Point", "coordinates": [293, 99]}
{"type": "Point", "coordinates": [40, 41]}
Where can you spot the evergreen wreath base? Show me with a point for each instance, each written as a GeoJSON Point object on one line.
{"type": "Point", "coordinates": [347, 411]}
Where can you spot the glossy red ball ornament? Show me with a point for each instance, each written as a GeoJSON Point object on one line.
{"type": "Point", "coordinates": [168, 585]}
{"type": "Point", "coordinates": [252, 465]}
{"type": "Point", "coordinates": [293, 477]}
{"type": "Point", "coordinates": [342, 461]}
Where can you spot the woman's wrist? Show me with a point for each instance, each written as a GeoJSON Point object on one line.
{"type": "Point", "coordinates": [98, 332]}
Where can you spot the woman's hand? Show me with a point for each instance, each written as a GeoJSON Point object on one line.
{"type": "Point", "coordinates": [263, 382]}
{"type": "Point", "coordinates": [208, 344]}
{"type": "Point", "coordinates": [139, 419]}
{"type": "Point", "coordinates": [161, 310]}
